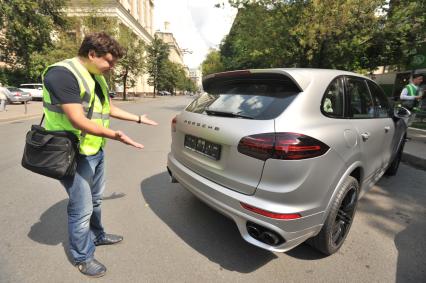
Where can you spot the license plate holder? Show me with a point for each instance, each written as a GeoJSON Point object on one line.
{"type": "Point", "coordinates": [202, 146]}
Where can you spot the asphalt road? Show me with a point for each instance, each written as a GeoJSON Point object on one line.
{"type": "Point", "coordinates": [170, 236]}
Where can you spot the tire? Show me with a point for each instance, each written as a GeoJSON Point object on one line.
{"type": "Point", "coordinates": [339, 219]}
{"type": "Point", "coordinates": [393, 167]}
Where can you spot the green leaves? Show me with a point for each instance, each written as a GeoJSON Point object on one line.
{"type": "Point", "coordinates": [344, 34]}
{"type": "Point", "coordinates": [212, 63]}
{"type": "Point", "coordinates": [157, 57]}
{"type": "Point", "coordinates": [28, 27]}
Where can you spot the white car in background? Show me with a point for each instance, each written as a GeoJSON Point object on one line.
{"type": "Point", "coordinates": [35, 89]}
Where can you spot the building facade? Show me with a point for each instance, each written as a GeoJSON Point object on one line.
{"type": "Point", "coordinates": [176, 54]}
{"type": "Point", "coordinates": [196, 76]}
{"type": "Point", "coordinates": [135, 14]}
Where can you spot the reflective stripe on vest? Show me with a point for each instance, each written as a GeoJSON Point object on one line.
{"type": "Point", "coordinates": [412, 90]}
{"type": "Point", "coordinates": [57, 120]}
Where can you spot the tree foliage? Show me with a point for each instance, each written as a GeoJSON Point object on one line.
{"type": "Point", "coordinates": [27, 30]}
{"type": "Point", "coordinates": [212, 63]}
{"type": "Point", "coordinates": [131, 66]}
{"type": "Point", "coordinates": [156, 63]}
{"type": "Point", "coordinates": [344, 34]}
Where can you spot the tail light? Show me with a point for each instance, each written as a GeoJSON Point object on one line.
{"type": "Point", "coordinates": [284, 146]}
{"type": "Point", "coordinates": [17, 94]}
{"type": "Point", "coordinates": [174, 121]}
{"type": "Point", "coordinates": [269, 214]}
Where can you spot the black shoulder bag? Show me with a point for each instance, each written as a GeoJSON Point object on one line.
{"type": "Point", "coordinates": [52, 153]}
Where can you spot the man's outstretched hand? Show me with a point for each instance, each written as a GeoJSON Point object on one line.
{"type": "Point", "coordinates": [120, 136]}
{"type": "Point", "coordinates": [147, 121]}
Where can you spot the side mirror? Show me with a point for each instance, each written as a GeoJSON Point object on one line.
{"type": "Point", "coordinates": [401, 112]}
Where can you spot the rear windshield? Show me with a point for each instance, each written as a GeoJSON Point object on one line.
{"type": "Point", "coordinates": [13, 89]}
{"type": "Point", "coordinates": [259, 99]}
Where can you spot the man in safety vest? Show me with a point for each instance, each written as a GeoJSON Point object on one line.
{"type": "Point", "coordinates": [410, 94]}
{"type": "Point", "coordinates": [71, 89]}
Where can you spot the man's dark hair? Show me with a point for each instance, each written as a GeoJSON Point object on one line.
{"type": "Point", "coordinates": [101, 43]}
{"type": "Point", "coordinates": [417, 75]}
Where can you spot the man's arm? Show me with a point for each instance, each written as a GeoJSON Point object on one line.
{"type": "Point", "coordinates": [75, 114]}
{"type": "Point", "coordinates": [404, 95]}
{"type": "Point", "coordinates": [124, 115]}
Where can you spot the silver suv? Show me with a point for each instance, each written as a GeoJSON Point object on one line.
{"type": "Point", "coordinates": [287, 153]}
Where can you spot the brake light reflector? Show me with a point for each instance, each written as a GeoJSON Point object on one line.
{"type": "Point", "coordinates": [174, 121]}
{"type": "Point", "coordinates": [269, 214]}
{"type": "Point", "coordinates": [284, 146]}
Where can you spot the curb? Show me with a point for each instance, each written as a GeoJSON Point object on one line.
{"type": "Point", "coordinates": [20, 118]}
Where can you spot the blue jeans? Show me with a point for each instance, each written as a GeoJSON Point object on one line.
{"type": "Point", "coordinates": [85, 191]}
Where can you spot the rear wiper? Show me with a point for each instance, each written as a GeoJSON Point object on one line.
{"type": "Point", "coordinates": [227, 114]}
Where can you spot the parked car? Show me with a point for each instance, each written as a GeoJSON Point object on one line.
{"type": "Point", "coordinates": [164, 93]}
{"type": "Point", "coordinates": [15, 94]}
{"type": "Point", "coordinates": [287, 153]}
{"type": "Point", "coordinates": [35, 89]}
{"type": "Point", "coordinates": [112, 94]}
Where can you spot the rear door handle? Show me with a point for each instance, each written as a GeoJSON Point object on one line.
{"type": "Point", "coordinates": [365, 136]}
{"type": "Point", "coordinates": [387, 128]}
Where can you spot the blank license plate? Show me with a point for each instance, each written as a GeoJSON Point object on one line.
{"type": "Point", "coordinates": [202, 146]}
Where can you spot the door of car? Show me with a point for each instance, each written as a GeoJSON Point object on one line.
{"type": "Point", "coordinates": [370, 130]}
{"type": "Point", "coordinates": [383, 113]}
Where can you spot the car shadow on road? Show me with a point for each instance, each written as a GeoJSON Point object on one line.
{"type": "Point", "coordinates": [206, 230]}
{"type": "Point", "coordinates": [51, 229]}
{"type": "Point", "coordinates": [395, 208]}
{"type": "Point", "coordinates": [411, 246]}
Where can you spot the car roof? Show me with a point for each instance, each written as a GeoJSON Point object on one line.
{"type": "Point", "coordinates": [301, 76]}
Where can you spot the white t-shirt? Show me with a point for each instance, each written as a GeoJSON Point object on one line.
{"type": "Point", "coordinates": [404, 94]}
{"type": "Point", "coordinates": [3, 93]}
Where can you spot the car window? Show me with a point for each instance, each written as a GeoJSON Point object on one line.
{"type": "Point", "coordinates": [255, 99]}
{"type": "Point", "coordinates": [333, 101]}
{"type": "Point", "coordinates": [381, 102]}
{"type": "Point", "coordinates": [13, 89]}
{"type": "Point", "coordinates": [361, 103]}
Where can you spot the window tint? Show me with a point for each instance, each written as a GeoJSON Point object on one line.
{"type": "Point", "coordinates": [13, 89]}
{"type": "Point", "coordinates": [361, 104]}
{"type": "Point", "coordinates": [381, 102]}
{"type": "Point", "coordinates": [332, 102]}
{"type": "Point", "coordinates": [253, 99]}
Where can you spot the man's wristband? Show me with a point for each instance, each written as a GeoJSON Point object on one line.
{"type": "Point", "coordinates": [139, 119]}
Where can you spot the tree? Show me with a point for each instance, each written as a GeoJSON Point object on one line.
{"type": "Point", "coordinates": [131, 66]}
{"type": "Point", "coordinates": [156, 62]}
{"type": "Point", "coordinates": [352, 34]}
{"type": "Point", "coordinates": [212, 63]}
{"type": "Point", "coordinates": [402, 31]}
{"type": "Point", "coordinates": [28, 27]}
{"type": "Point", "coordinates": [320, 34]}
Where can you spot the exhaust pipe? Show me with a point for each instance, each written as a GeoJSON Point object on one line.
{"type": "Point", "coordinates": [264, 235]}
{"type": "Point", "coordinates": [172, 179]}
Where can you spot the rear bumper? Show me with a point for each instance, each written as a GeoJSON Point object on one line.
{"type": "Point", "coordinates": [19, 98]}
{"type": "Point", "coordinates": [228, 202]}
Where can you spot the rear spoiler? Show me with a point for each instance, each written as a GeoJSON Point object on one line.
{"type": "Point", "coordinates": [213, 81]}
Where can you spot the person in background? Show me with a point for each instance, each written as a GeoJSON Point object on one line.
{"type": "Point", "coordinates": [410, 95]}
{"type": "Point", "coordinates": [3, 98]}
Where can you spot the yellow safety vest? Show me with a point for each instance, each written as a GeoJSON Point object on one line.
{"type": "Point", "coordinates": [55, 118]}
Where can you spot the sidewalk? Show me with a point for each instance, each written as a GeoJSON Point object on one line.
{"type": "Point", "coordinates": [414, 150]}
